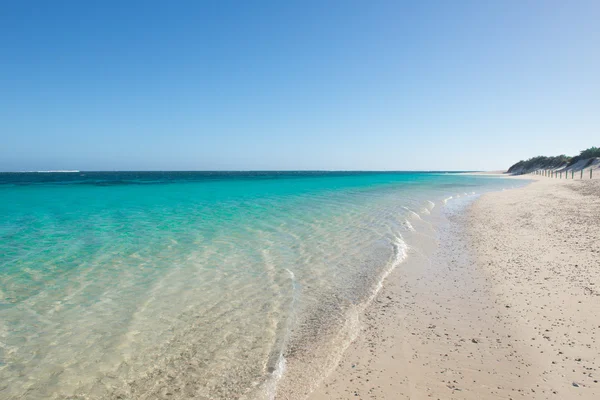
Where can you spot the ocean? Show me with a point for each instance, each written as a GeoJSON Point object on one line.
{"type": "Point", "coordinates": [212, 285]}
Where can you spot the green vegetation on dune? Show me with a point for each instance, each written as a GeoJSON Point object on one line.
{"type": "Point", "coordinates": [585, 154]}
{"type": "Point", "coordinates": [541, 162]}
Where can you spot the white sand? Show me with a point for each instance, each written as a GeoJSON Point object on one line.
{"type": "Point", "coordinates": [509, 308]}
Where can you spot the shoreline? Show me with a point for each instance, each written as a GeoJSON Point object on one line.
{"type": "Point", "coordinates": [473, 320]}
{"type": "Point", "coordinates": [189, 293]}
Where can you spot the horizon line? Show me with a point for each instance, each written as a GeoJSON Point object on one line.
{"type": "Point", "coordinates": [235, 170]}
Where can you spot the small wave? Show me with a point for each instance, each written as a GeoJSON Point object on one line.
{"type": "Point", "coordinates": [352, 324]}
{"type": "Point", "coordinates": [292, 276]}
{"type": "Point", "coordinates": [446, 199]}
{"type": "Point", "coordinates": [409, 225]}
{"type": "Point", "coordinates": [429, 205]}
{"type": "Point", "coordinates": [270, 387]}
{"type": "Point", "coordinates": [276, 375]}
{"type": "Point", "coordinates": [400, 254]}
{"type": "Point", "coordinates": [59, 171]}
{"type": "Point", "coordinates": [412, 213]}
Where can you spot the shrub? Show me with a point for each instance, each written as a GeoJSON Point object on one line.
{"type": "Point", "coordinates": [585, 154]}
{"type": "Point", "coordinates": [556, 161]}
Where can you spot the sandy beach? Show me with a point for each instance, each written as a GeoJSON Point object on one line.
{"type": "Point", "coordinates": [507, 307]}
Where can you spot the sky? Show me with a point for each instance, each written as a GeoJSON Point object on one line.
{"type": "Point", "coordinates": [296, 85]}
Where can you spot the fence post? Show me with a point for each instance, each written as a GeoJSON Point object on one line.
{"type": "Point", "coordinates": [581, 177]}
{"type": "Point", "coordinates": [572, 174]}
{"type": "Point", "coordinates": [590, 173]}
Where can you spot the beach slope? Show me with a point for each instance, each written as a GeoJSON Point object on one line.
{"type": "Point", "coordinates": [507, 306]}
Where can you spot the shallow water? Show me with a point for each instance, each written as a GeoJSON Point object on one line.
{"type": "Point", "coordinates": [152, 285]}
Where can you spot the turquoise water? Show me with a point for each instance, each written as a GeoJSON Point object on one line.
{"type": "Point", "coordinates": [205, 285]}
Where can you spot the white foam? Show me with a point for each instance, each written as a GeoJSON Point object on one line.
{"type": "Point", "coordinates": [291, 274]}
{"type": "Point", "coordinates": [401, 252]}
{"type": "Point", "coordinates": [414, 214]}
{"type": "Point", "coordinates": [66, 171]}
{"type": "Point", "coordinates": [270, 386]}
{"type": "Point", "coordinates": [352, 325]}
{"type": "Point", "coordinates": [428, 207]}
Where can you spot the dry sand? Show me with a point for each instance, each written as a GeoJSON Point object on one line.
{"type": "Point", "coordinates": [508, 308]}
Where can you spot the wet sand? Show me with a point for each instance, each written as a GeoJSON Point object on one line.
{"type": "Point", "coordinates": [507, 306]}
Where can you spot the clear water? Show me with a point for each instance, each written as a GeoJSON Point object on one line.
{"type": "Point", "coordinates": [189, 284]}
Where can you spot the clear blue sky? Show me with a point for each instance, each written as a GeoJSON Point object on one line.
{"type": "Point", "coordinates": [115, 85]}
